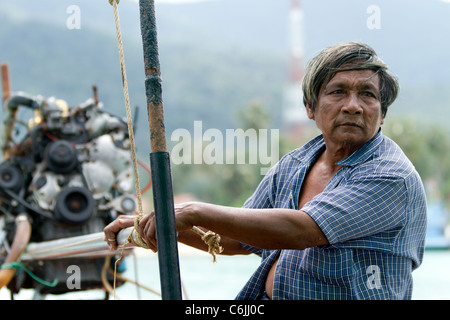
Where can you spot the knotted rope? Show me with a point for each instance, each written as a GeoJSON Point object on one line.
{"type": "Point", "coordinates": [210, 238]}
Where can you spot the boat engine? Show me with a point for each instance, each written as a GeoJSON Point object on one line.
{"type": "Point", "coordinates": [69, 170]}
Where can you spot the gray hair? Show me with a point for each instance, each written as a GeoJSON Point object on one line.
{"type": "Point", "coordinates": [345, 57]}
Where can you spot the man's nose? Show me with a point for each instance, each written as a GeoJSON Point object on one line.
{"type": "Point", "coordinates": [352, 104]}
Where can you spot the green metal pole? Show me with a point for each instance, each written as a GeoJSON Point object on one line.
{"type": "Point", "coordinates": [159, 159]}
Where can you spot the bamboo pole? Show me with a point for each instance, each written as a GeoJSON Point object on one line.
{"type": "Point", "coordinates": [86, 245]}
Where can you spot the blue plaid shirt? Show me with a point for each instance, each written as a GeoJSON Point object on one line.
{"type": "Point", "coordinates": [373, 213]}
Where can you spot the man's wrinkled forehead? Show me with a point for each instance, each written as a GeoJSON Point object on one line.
{"type": "Point", "coordinates": [365, 78]}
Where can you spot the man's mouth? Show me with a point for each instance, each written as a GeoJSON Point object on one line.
{"type": "Point", "coordinates": [350, 124]}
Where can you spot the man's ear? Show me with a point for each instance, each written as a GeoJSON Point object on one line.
{"type": "Point", "coordinates": [309, 111]}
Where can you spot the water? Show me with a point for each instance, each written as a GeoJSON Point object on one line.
{"type": "Point", "coordinates": [432, 278]}
{"type": "Point", "coordinates": [205, 280]}
{"type": "Point", "coordinates": [201, 278]}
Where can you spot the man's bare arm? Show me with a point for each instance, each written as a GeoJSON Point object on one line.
{"type": "Point", "coordinates": [262, 228]}
{"type": "Point", "coordinates": [188, 237]}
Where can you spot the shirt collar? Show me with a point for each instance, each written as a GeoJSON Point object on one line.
{"type": "Point", "coordinates": [314, 148]}
{"type": "Point", "coordinates": [364, 152]}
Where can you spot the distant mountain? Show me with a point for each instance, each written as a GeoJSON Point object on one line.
{"type": "Point", "coordinates": [201, 81]}
{"type": "Point", "coordinates": [412, 32]}
{"type": "Point", "coordinates": [218, 56]}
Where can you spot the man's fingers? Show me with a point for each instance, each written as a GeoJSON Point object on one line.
{"type": "Point", "coordinates": [143, 223]}
{"type": "Point", "coordinates": [146, 230]}
{"type": "Point", "coordinates": [111, 230]}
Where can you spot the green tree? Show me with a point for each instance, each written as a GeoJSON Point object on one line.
{"type": "Point", "coordinates": [428, 148]}
{"type": "Point", "coordinates": [227, 184]}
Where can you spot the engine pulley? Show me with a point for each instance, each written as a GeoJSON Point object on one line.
{"type": "Point", "coordinates": [61, 156]}
{"type": "Point", "coordinates": [11, 177]}
{"type": "Point", "coordinates": [74, 205]}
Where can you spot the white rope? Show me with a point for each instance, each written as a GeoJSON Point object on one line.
{"type": "Point", "coordinates": [127, 106]}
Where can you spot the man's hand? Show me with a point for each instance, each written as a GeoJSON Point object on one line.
{"type": "Point", "coordinates": [111, 230]}
{"type": "Point", "coordinates": [147, 225]}
{"type": "Point", "coordinates": [147, 231]}
{"type": "Point", "coordinates": [183, 215]}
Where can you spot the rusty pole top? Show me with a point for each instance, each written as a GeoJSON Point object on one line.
{"type": "Point", "coordinates": [152, 77]}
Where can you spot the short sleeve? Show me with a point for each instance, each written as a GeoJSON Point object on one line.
{"type": "Point", "coordinates": [359, 208]}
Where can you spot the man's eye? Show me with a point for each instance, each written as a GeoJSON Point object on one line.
{"type": "Point", "coordinates": [337, 91]}
{"type": "Point", "coordinates": [368, 94]}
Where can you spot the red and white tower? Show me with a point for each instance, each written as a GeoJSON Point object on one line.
{"type": "Point", "coordinates": [294, 114]}
{"type": "Point", "coordinates": [296, 42]}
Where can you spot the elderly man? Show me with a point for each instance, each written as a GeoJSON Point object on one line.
{"type": "Point", "coordinates": [344, 216]}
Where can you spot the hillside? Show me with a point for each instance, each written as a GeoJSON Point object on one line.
{"type": "Point", "coordinates": [219, 56]}
{"type": "Point", "coordinates": [199, 82]}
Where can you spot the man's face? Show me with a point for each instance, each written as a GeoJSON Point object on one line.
{"type": "Point", "coordinates": [348, 111]}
